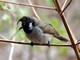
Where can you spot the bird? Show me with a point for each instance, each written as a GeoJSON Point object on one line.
{"type": "Point", "coordinates": [38, 31]}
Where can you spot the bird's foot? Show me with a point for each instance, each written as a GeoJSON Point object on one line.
{"type": "Point", "coordinates": [32, 44]}
{"type": "Point", "coordinates": [48, 43]}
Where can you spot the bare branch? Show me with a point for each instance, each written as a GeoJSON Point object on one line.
{"type": "Point", "coordinates": [36, 6]}
{"type": "Point", "coordinates": [24, 43]}
{"type": "Point", "coordinates": [12, 45]}
{"type": "Point", "coordinates": [34, 10]}
{"type": "Point", "coordinates": [78, 43]}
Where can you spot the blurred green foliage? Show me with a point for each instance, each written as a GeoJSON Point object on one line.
{"type": "Point", "coordinates": [1, 25]}
{"type": "Point", "coordinates": [2, 5]}
{"type": "Point", "coordinates": [49, 2]}
{"type": "Point", "coordinates": [7, 17]}
{"type": "Point", "coordinates": [56, 23]}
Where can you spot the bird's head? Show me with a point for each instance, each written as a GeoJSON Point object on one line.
{"type": "Point", "coordinates": [27, 23]}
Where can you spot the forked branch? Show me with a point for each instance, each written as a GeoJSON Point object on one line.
{"type": "Point", "coordinates": [65, 7]}
{"type": "Point", "coordinates": [70, 34]}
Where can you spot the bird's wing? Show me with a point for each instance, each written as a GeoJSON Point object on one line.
{"type": "Point", "coordinates": [46, 27]}
{"type": "Point", "coordinates": [49, 29]}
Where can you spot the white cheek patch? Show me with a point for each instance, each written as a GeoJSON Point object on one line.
{"type": "Point", "coordinates": [30, 25]}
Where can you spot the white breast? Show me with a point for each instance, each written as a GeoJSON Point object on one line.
{"type": "Point", "coordinates": [37, 36]}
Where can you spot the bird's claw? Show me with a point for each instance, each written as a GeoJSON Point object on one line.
{"type": "Point", "coordinates": [32, 44]}
{"type": "Point", "coordinates": [48, 43]}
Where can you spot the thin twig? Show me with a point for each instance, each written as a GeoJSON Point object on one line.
{"type": "Point", "coordinates": [70, 34]}
{"type": "Point", "coordinates": [78, 47]}
{"type": "Point", "coordinates": [13, 39]}
{"type": "Point", "coordinates": [24, 43]}
{"type": "Point", "coordinates": [34, 10]}
{"type": "Point", "coordinates": [66, 7]}
{"type": "Point", "coordinates": [78, 43]}
{"type": "Point", "coordinates": [36, 6]}
{"type": "Point", "coordinates": [64, 4]}
{"type": "Point", "coordinates": [12, 50]}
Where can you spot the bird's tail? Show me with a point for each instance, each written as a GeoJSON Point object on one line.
{"type": "Point", "coordinates": [61, 38]}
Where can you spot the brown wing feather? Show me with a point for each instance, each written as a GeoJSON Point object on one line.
{"type": "Point", "coordinates": [49, 29]}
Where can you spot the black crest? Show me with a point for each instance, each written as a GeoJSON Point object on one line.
{"type": "Point", "coordinates": [28, 24]}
